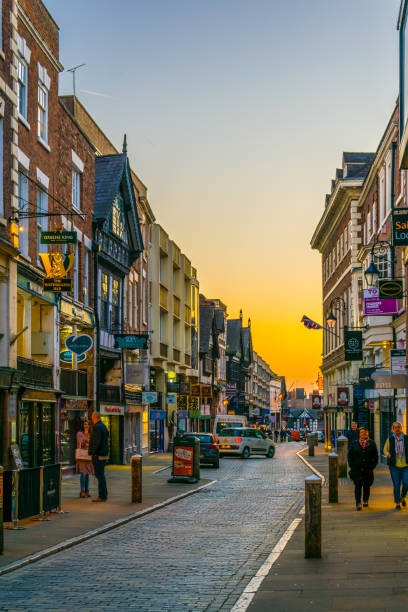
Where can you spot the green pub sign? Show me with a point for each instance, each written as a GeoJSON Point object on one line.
{"type": "Point", "coordinates": [58, 237]}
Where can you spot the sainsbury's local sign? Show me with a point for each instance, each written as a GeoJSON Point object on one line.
{"type": "Point", "coordinates": [400, 229]}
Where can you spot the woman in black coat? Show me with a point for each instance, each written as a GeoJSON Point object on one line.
{"type": "Point", "coordinates": [362, 459]}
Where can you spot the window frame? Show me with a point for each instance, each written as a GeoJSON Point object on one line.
{"type": "Point", "coordinates": [40, 109]}
{"type": "Point", "coordinates": [23, 112]}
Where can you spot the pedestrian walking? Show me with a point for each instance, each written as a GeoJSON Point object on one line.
{"type": "Point", "coordinates": [352, 434]}
{"type": "Point", "coordinates": [362, 459]}
{"type": "Point", "coordinates": [396, 451]}
{"type": "Point", "coordinates": [84, 463]}
{"type": "Point", "coordinates": [276, 435]}
{"type": "Point", "coordinates": [99, 451]}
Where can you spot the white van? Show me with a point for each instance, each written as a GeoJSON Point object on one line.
{"type": "Point", "coordinates": [228, 420]}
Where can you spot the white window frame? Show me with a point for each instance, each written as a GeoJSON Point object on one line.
{"type": "Point", "coordinates": [76, 271]}
{"type": "Point", "coordinates": [76, 188]}
{"type": "Point", "coordinates": [22, 111]}
{"type": "Point", "coordinates": [388, 186]}
{"type": "Point", "coordinates": [23, 206]}
{"type": "Point", "coordinates": [381, 194]}
{"type": "Point", "coordinates": [374, 218]}
{"type": "Point", "coordinates": [86, 276]}
{"type": "Point", "coordinates": [42, 114]}
{"type": "Point", "coordinates": [42, 222]}
{"type": "Point", "coordinates": [369, 227]}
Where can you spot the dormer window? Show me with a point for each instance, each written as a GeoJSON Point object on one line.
{"type": "Point", "coordinates": [118, 219]}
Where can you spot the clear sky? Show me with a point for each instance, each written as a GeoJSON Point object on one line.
{"type": "Point", "coordinates": [237, 113]}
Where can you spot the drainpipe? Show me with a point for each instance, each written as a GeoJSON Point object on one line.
{"type": "Point", "coordinates": [97, 325]}
{"type": "Point", "coordinates": [392, 249]}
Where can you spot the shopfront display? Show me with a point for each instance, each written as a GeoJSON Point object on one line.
{"type": "Point", "coordinates": [36, 426]}
{"type": "Point", "coordinates": [73, 413]}
{"type": "Point", "coordinates": [112, 416]}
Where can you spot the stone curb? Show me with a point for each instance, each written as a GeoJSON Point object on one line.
{"type": "Point", "coordinates": [47, 552]}
{"type": "Point", "coordinates": [310, 466]}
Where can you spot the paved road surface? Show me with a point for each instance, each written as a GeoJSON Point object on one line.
{"type": "Point", "coordinates": [197, 554]}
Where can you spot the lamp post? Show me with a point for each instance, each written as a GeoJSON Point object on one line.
{"type": "Point", "coordinates": [378, 249]}
{"type": "Point", "coordinates": [338, 304]}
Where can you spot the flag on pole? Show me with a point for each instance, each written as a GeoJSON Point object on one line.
{"type": "Point", "coordinates": [309, 323]}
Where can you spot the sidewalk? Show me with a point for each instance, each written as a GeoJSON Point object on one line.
{"type": "Point", "coordinates": [364, 564]}
{"type": "Point", "coordinates": [83, 515]}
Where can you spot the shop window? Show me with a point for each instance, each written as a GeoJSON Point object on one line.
{"type": "Point", "coordinates": [105, 301]}
{"type": "Point", "coordinates": [115, 305]}
{"type": "Point", "coordinates": [42, 113]}
{"type": "Point", "coordinates": [42, 220]}
{"type": "Point", "coordinates": [23, 208]}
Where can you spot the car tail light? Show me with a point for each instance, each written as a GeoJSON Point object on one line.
{"type": "Point", "coordinates": [213, 446]}
{"type": "Point", "coordinates": [217, 440]}
{"type": "Point", "coordinates": [238, 440]}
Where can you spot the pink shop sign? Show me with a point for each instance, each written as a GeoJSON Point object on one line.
{"type": "Point", "coordinates": [373, 306]}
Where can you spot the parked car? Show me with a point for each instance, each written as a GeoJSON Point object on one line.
{"type": "Point", "coordinates": [244, 441]}
{"type": "Point", "coordinates": [209, 452]}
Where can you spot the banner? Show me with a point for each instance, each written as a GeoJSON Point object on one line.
{"type": "Point", "coordinates": [388, 289]}
{"type": "Point", "coordinates": [364, 378]}
{"type": "Point", "coordinates": [353, 345]}
{"type": "Point", "coordinates": [376, 306]}
{"type": "Point", "coordinates": [316, 402]}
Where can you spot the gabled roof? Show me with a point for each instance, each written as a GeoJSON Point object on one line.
{"type": "Point", "coordinates": [233, 336]}
{"type": "Point", "coordinates": [206, 324]}
{"type": "Point", "coordinates": [112, 175]}
{"type": "Point", "coordinates": [108, 176]}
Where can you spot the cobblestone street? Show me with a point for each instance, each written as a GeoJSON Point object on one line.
{"type": "Point", "coordinates": [197, 554]}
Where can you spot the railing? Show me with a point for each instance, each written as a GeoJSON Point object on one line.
{"type": "Point", "coordinates": [176, 306]}
{"type": "Point", "coordinates": [187, 359]}
{"type": "Point", "coordinates": [109, 393]}
{"type": "Point", "coordinates": [35, 372]}
{"type": "Point", "coordinates": [51, 487]}
{"type": "Point", "coordinates": [28, 492]}
{"type": "Point", "coordinates": [163, 350]}
{"type": "Point", "coordinates": [176, 355]}
{"type": "Point", "coordinates": [74, 382]}
{"type": "Point", "coordinates": [187, 314]}
{"type": "Point", "coordinates": [163, 297]}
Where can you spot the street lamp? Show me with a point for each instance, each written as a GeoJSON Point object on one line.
{"type": "Point", "coordinates": [378, 248]}
{"type": "Point", "coordinates": [339, 304]}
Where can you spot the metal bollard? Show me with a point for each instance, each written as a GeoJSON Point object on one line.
{"type": "Point", "coordinates": [342, 444]}
{"type": "Point", "coordinates": [1, 511]}
{"type": "Point", "coordinates": [313, 517]}
{"type": "Point", "coordinates": [333, 479]}
{"type": "Point", "coordinates": [41, 516]}
{"type": "Point", "coordinates": [136, 474]}
{"type": "Point", "coordinates": [311, 444]}
{"type": "Point", "coordinates": [60, 510]}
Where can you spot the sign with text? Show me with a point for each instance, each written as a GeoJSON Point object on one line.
{"type": "Point", "coordinates": [388, 289]}
{"type": "Point", "coordinates": [376, 306]}
{"type": "Point", "coordinates": [131, 341]}
{"type": "Point", "coordinates": [353, 345]}
{"type": "Point", "coordinates": [149, 397]}
{"type": "Point", "coordinates": [58, 237]}
{"type": "Point", "coordinates": [400, 229]}
{"type": "Point", "coordinates": [183, 461]}
{"type": "Point", "coordinates": [398, 361]}
{"type": "Point", "coordinates": [57, 284]}
{"type": "Point", "coordinates": [115, 410]}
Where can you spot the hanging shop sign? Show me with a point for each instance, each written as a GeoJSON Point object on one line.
{"type": "Point", "coordinates": [79, 344]}
{"type": "Point", "coordinates": [353, 345]}
{"type": "Point", "coordinates": [195, 390]}
{"type": "Point", "coordinates": [58, 237]}
{"type": "Point", "coordinates": [206, 391]}
{"type": "Point", "coordinates": [56, 267]}
{"type": "Point", "coordinates": [182, 414]}
{"type": "Point", "coordinates": [149, 397]}
{"type": "Point", "coordinates": [194, 414]}
{"type": "Point", "coordinates": [184, 388]}
{"type": "Point", "coordinates": [131, 341]}
{"type": "Point", "coordinates": [364, 378]}
{"type": "Point", "coordinates": [343, 396]}
{"type": "Point", "coordinates": [115, 410]}
{"type": "Point", "coordinates": [388, 289]}
{"type": "Point", "coordinates": [400, 229]}
{"type": "Point", "coordinates": [171, 399]}
{"type": "Point", "coordinates": [67, 357]}
{"type": "Point", "coordinates": [157, 415]}
{"type": "Point", "coordinates": [398, 358]}
{"type": "Point", "coordinates": [316, 402]}
{"type": "Point", "coordinates": [376, 306]}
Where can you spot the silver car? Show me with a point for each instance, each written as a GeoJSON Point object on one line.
{"type": "Point", "coordinates": [245, 441]}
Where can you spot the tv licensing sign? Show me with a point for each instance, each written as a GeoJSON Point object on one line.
{"type": "Point", "coordinates": [375, 306]}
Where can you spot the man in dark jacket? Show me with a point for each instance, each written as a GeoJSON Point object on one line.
{"type": "Point", "coordinates": [352, 434]}
{"type": "Point", "coordinates": [99, 450]}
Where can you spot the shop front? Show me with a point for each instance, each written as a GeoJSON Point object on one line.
{"type": "Point", "coordinates": [136, 433]}
{"type": "Point", "coordinates": [112, 416]}
{"type": "Point", "coordinates": [36, 429]}
{"type": "Point", "coordinates": [157, 421]}
{"type": "Point", "coordinates": [205, 417]}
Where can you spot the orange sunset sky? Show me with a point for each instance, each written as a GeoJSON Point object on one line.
{"type": "Point", "coordinates": [237, 114]}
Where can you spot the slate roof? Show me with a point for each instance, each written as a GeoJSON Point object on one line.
{"type": "Point", "coordinates": [357, 158]}
{"type": "Point", "coordinates": [108, 175]}
{"type": "Point", "coordinates": [233, 336]}
{"type": "Point", "coordinates": [206, 322]}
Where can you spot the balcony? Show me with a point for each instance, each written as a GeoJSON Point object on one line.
{"type": "Point", "coordinates": [176, 255]}
{"type": "Point", "coordinates": [110, 394]}
{"type": "Point", "coordinates": [187, 267]}
{"type": "Point", "coordinates": [74, 382]}
{"type": "Point", "coordinates": [163, 298]}
{"type": "Point", "coordinates": [187, 360]}
{"type": "Point", "coordinates": [187, 314]}
{"type": "Point", "coordinates": [35, 373]}
{"type": "Point", "coordinates": [176, 355]}
{"type": "Point", "coordinates": [176, 306]}
{"type": "Point", "coordinates": [163, 350]}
